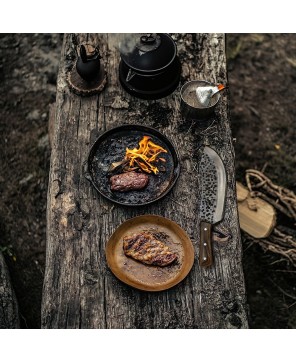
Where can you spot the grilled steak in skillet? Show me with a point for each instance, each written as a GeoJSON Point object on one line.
{"type": "Point", "coordinates": [147, 249]}
{"type": "Point", "coordinates": [129, 181]}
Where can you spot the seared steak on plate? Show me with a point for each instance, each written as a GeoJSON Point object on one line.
{"type": "Point", "coordinates": [144, 247]}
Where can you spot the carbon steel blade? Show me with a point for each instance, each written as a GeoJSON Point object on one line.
{"type": "Point", "coordinates": [212, 186]}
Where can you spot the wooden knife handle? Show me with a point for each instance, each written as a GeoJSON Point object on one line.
{"type": "Point", "coordinates": [205, 246]}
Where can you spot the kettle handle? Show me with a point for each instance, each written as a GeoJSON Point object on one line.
{"type": "Point", "coordinates": [83, 54]}
{"type": "Point", "coordinates": [148, 39]}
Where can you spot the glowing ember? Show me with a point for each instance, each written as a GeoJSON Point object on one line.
{"type": "Point", "coordinates": [145, 155]}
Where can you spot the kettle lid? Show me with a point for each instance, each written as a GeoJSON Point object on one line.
{"type": "Point", "coordinates": [148, 53]}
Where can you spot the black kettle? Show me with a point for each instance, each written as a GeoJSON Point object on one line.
{"type": "Point", "coordinates": [149, 66]}
{"type": "Point", "coordinates": [88, 63]}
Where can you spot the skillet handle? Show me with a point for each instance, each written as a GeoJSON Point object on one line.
{"type": "Point", "coordinates": [205, 245]}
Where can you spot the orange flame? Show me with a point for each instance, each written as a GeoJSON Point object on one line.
{"type": "Point", "coordinates": [144, 155]}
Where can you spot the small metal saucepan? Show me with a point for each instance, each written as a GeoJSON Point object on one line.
{"type": "Point", "coordinates": [191, 108]}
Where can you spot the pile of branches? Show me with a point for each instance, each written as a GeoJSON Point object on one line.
{"type": "Point", "coordinates": [282, 240]}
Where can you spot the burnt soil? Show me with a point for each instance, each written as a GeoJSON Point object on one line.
{"type": "Point", "coordinates": [262, 74]}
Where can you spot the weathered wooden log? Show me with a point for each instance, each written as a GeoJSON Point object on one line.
{"type": "Point", "coordinates": [79, 289]}
{"type": "Point", "coordinates": [51, 121]}
{"type": "Point", "coordinates": [9, 318]}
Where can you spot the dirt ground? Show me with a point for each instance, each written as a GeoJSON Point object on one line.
{"type": "Point", "coordinates": [262, 74]}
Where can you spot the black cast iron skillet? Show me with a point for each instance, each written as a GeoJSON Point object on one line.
{"type": "Point", "coordinates": [111, 147]}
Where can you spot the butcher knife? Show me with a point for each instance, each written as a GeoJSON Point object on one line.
{"type": "Point", "coordinates": [211, 200]}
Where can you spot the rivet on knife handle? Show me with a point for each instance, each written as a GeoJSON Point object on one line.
{"type": "Point", "coordinates": [205, 246]}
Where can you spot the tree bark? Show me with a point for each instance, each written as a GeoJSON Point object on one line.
{"type": "Point", "coordinates": [79, 289]}
{"type": "Point", "coordinates": [9, 318]}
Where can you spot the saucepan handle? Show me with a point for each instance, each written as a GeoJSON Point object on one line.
{"type": "Point", "coordinates": [205, 246]}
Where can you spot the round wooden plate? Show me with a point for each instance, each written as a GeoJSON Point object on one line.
{"type": "Point", "coordinates": [148, 277]}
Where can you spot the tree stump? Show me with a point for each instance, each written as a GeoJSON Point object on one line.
{"type": "Point", "coordinates": [9, 318]}
{"type": "Point", "coordinates": [79, 289]}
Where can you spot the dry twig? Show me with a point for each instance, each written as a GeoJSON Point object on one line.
{"type": "Point", "coordinates": [284, 200]}
{"type": "Point", "coordinates": [280, 197]}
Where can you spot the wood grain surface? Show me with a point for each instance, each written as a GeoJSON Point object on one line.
{"type": "Point", "coordinates": [79, 289]}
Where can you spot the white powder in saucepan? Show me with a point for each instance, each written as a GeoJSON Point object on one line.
{"type": "Point", "coordinates": [196, 101]}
